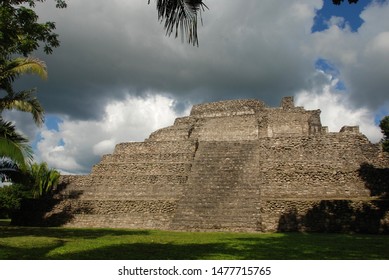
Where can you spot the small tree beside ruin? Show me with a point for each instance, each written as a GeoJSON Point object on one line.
{"type": "Point", "coordinates": [384, 125]}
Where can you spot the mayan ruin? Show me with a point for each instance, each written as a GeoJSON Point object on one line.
{"type": "Point", "coordinates": [234, 165]}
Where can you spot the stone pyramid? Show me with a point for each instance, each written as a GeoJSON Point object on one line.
{"type": "Point", "coordinates": [234, 165]}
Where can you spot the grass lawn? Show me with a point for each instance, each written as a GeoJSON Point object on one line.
{"type": "Point", "coordinates": [19, 243]}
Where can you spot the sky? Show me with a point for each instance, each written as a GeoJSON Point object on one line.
{"type": "Point", "coordinates": [116, 77]}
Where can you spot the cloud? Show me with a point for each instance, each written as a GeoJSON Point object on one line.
{"type": "Point", "coordinates": [336, 108]}
{"type": "Point", "coordinates": [77, 145]}
{"type": "Point", "coordinates": [111, 48]}
{"type": "Point", "coordinates": [361, 57]}
{"type": "Point", "coordinates": [114, 58]}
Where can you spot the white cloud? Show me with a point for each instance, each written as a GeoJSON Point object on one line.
{"type": "Point", "coordinates": [259, 49]}
{"type": "Point", "coordinates": [362, 57]}
{"type": "Point", "coordinates": [79, 144]}
{"type": "Point", "coordinates": [336, 109]}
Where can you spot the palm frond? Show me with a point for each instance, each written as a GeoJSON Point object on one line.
{"type": "Point", "coordinates": [10, 170]}
{"type": "Point", "coordinates": [27, 65]}
{"type": "Point", "coordinates": [24, 101]}
{"type": "Point", "coordinates": [14, 68]}
{"type": "Point", "coordinates": [13, 145]}
{"type": "Point", "coordinates": [181, 15]}
{"type": "Point", "coordinates": [43, 179]}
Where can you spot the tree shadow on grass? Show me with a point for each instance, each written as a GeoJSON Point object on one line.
{"type": "Point", "coordinates": [152, 251]}
{"type": "Point", "coordinates": [36, 243]}
{"type": "Point", "coordinates": [11, 231]}
{"type": "Point", "coordinates": [313, 246]}
{"type": "Point", "coordinates": [5, 223]}
{"type": "Point", "coordinates": [287, 246]}
{"type": "Point", "coordinates": [294, 246]}
{"type": "Point", "coordinates": [33, 252]}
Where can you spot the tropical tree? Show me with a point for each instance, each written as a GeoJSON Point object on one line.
{"type": "Point", "coordinates": [24, 100]}
{"type": "Point", "coordinates": [10, 199]}
{"type": "Point", "coordinates": [42, 179]}
{"type": "Point", "coordinates": [384, 125]}
{"type": "Point", "coordinates": [13, 144]}
{"type": "Point", "coordinates": [20, 30]}
{"type": "Point", "coordinates": [10, 69]}
{"type": "Point", "coordinates": [37, 181]}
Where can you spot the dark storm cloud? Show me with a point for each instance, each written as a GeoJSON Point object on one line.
{"type": "Point", "coordinates": [110, 49]}
{"type": "Point", "coordinates": [258, 49]}
{"type": "Point", "coordinates": [116, 75]}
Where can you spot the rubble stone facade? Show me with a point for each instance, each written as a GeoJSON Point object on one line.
{"type": "Point", "coordinates": [233, 165]}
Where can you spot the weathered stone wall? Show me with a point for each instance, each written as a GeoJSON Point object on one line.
{"type": "Point", "coordinates": [227, 108]}
{"type": "Point", "coordinates": [367, 216]}
{"type": "Point", "coordinates": [321, 166]}
{"type": "Point", "coordinates": [223, 191]}
{"type": "Point", "coordinates": [232, 165]}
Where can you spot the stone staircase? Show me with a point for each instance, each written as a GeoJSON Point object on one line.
{"type": "Point", "coordinates": [222, 191]}
{"type": "Point", "coordinates": [137, 186]}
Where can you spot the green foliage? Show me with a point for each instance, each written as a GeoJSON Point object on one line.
{"type": "Point", "coordinates": [13, 145]}
{"type": "Point", "coordinates": [42, 179]}
{"type": "Point", "coordinates": [20, 31]}
{"type": "Point", "coordinates": [10, 69]}
{"type": "Point", "coordinates": [384, 125]}
{"type": "Point", "coordinates": [24, 101]}
{"type": "Point", "coordinates": [10, 199]}
{"type": "Point", "coordinates": [37, 181]}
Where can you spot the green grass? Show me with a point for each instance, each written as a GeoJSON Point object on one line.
{"type": "Point", "coordinates": [19, 243]}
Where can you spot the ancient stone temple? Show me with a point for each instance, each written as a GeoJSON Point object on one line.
{"type": "Point", "coordinates": [237, 166]}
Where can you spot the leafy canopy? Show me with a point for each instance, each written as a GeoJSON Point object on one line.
{"type": "Point", "coordinates": [42, 179]}
{"type": "Point", "coordinates": [384, 125]}
{"type": "Point", "coordinates": [13, 145]}
{"type": "Point", "coordinates": [20, 31]}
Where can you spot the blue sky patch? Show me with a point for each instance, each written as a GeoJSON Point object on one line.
{"type": "Point", "coordinates": [349, 12]}
{"type": "Point", "coordinates": [52, 122]}
{"type": "Point", "coordinates": [327, 67]}
{"type": "Point", "coordinates": [382, 112]}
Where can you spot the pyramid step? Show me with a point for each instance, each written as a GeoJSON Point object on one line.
{"type": "Point", "coordinates": [155, 168]}
{"type": "Point", "coordinates": [155, 147]}
{"type": "Point", "coordinates": [147, 157]}
{"type": "Point", "coordinates": [171, 133]}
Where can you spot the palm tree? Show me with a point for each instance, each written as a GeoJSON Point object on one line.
{"type": "Point", "coordinates": [13, 145]}
{"type": "Point", "coordinates": [43, 179]}
{"type": "Point", "coordinates": [24, 100]}
{"type": "Point", "coordinates": [10, 69]}
{"type": "Point", "coordinates": [181, 14]}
